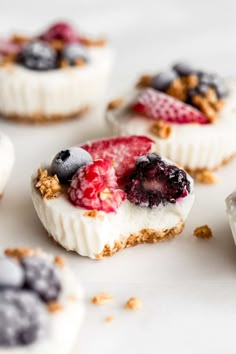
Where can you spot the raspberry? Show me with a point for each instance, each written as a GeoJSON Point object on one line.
{"type": "Point", "coordinates": [158, 105]}
{"type": "Point", "coordinates": [60, 31]}
{"type": "Point", "coordinates": [121, 151]}
{"type": "Point", "coordinates": [94, 186]}
{"type": "Point", "coordinates": [154, 182]}
{"type": "Point", "coordinates": [41, 276]}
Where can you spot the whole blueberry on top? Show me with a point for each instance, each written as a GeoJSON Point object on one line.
{"type": "Point", "coordinates": [38, 55]}
{"type": "Point", "coordinates": [11, 273]}
{"type": "Point", "coordinates": [23, 319]}
{"type": "Point", "coordinates": [73, 52]}
{"type": "Point", "coordinates": [162, 80]}
{"type": "Point", "coordinates": [184, 69]}
{"type": "Point", "coordinates": [42, 277]}
{"type": "Point", "coordinates": [67, 162]}
{"type": "Point", "coordinates": [154, 182]}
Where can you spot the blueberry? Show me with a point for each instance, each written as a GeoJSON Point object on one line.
{"type": "Point", "coordinates": [163, 80]}
{"type": "Point", "coordinates": [42, 277]}
{"type": "Point", "coordinates": [23, 319]}
{"type": "Point", "coordinates": [11, 273]}
{"type": "Point", "coordinates": [202, 88]}
{"type": "Point", "coordinates": [205, 78]}
{"type": "Point", "coordinates": [73, 52]}
{"type": "Point", "coordinates": [38, 55]}
{"type": "Point", "coordinates": [67, 162]}
{"type": "Point", "coordinates": [184, 69]}
{"type": "Point", "coordinates": [154, 182]}
{"type": "Point", "coordinates": [222, 91]}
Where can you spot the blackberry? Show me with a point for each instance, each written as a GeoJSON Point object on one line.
{"type": "Point", "coordinates": [23, 319]}
{"type": "Point", "coordinates": [42, 277]}
{"type": "Point", "coordinates": [73, 52]}
{"type": "Point", "coordinates": [38, 55]}
{"type": "Point", "coordinates": [213, 81]}
{"type": "Point", "coordinates": [154, 182]}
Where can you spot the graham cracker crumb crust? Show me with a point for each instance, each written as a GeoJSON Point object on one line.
{"type": "Point", "coordinates": [102, 298]}
{"type": "Point", "coordinates": [133, 304]}
{"type": "Point", "coordinates": [144, 236]}
{"type": "Point", "coordinates": [203, 232]}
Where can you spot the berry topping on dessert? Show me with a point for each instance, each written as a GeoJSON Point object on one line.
{"type": "Point", "coordinates": [155, 182]}
{"type": "Point", "coordinates": [73, 53]}
{"type": "Point", "coordinates": [42, 277]}
{"type": "Point", "coordinates": [121, 151]}
{"type": "Point", "coordinates": [8, 47]}
{"type": "Point", "coordinates": [67, 162]}
{"type": "Point", "coordinates": [184, 69]}
{"type": "Point", "coordinates": [162, 80]}
{"type": "Point", "coordinates": [61, 31]}
{"type": "Point", "coordinates": [158, 105]}
{"type": "Point", "coordinates": [22, 318]}
{"type": "Point", "coordinates": [38, 55]}
{"type": "Point", "coordinates": [94, 186]}
{"type": "Point", "coordinates": [11, 274]}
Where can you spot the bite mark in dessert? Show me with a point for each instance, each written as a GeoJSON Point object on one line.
{"type": "Point", "coordinates": [124, 197]}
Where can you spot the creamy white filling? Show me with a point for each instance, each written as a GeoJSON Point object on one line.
{"type": "Point", "coordinates": [63, 325]}
{"type": "Point", "coordinates": [191, 145]}
{"type": "Point", "coordinates": [62, 91]}
{"type": "Point", "coordinates": [74, 230]}
{"type": "Point", "coordinates": [6, 160]}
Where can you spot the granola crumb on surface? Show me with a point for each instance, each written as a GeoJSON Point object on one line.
{"type": "Point", "coordinates": [102, 298]}
{"type": "Point", "coordinates": [19, 253]}
{"type": "Point", "coordinates": [90, 42]}
{"type": "Point", "coordinates": [161, 129]}
{"type": "Point", "coordinates": [49, 186]}
{"type": "Point", "coordinates": [54, 306]}
{"type": "Point", "coordinates": [59, 261]}
{"type": "Point", "coordinates": [133, 304]}
{"type": "Point", "coordinates": [109, 319]}
{"type": "Point", "coordinates": [116, 103]}
{"type": "Point", "coordinates": [72, 297]}
{"type": "Point", "coordinates": [203, 232]}
{"type": "Point", "coordinates": [144, 81]}
{"type": "Point", "coordinates": [206, 177]}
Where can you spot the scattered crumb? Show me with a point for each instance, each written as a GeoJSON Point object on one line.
{"type": "Point", "coordinates": [72, 297]}
{"type": "Point", "coordinates": [144, 81]}
{"type": "Point", "coordinates": [102, 298]}
{"type": "Point", "coordinates": [19, 253]}
{"type": "Point", "coordinates": [91, 42]}
{"type": "Point", "coordinates": [109, 319]}
{"type": "Point", "coordinates": [91, 213]}
{"type": "Point", "coordinates": [116, 103]}
{"type": "Point", "coordinates": [54, 306]}
{"type": "Point", "coordinates": [206, 177]}
{"type": "Point", "coordinates": [59, 261]}
{"type": "Point", "coordinates": [133, 304]}
{"type": "Point", "coordinates": [161, 129]}
{"type": "Point", "coordinates": [203, 232]}
{"type": "Point", "coordinates": [48, 186]}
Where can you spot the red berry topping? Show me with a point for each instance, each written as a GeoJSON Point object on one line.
{"type": "Point", "coordinates": [158, 105]}
{"type": "Point", "coordinates": [94, 186]}
{"type": "Point", "coordinates": [8, 47]}
{"type": "Point", "coordinates": [121, 151]}
{"type": "Point", "coordinates": [61, 31]}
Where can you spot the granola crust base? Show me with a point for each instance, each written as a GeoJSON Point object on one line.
{"type": "Point", "coordinates": [143, 236]}
{"type": "Point", "coordinates": [39, 118]}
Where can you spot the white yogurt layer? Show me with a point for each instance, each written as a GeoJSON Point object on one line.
{"type": "Point", "coordinates": [6, 160]}
{"type": "Point", "coordinates": [191, 145]}
{"type": "Point", "coordinates": [64, 91]}
{"type": "Point", "coordinates": [63, 325]}
{"type": "Point", "coordinates": [86, 235]}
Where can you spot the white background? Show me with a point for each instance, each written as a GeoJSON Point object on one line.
{"type": "Point", "coordinates": [188, 286]}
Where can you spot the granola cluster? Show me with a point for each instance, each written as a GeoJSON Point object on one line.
{"type": "Point", "coordinates": [48, 186]}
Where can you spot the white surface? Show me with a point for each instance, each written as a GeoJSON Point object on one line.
{"type": "Point", "coordinates": [187, 285]}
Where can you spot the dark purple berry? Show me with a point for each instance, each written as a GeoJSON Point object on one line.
{"type": "Point", "coordinates": [184, 69]}
{"type": "Point", "coordinates": [42, 277]}
{"type": "Point", "coordinates": [154, 182]}
{"type": "Point", "coordinates": [11, 274]}
{"type": "Point", "coordinates": [23, 319]}
{"type": "Point", "coordinates": [73, 52]}
{"type": "Point", "coordinates": [38, 55]}
{"type": "Point", "coordinates": [161, 81]}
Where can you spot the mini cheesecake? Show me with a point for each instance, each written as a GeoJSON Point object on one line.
{"type": "Point", "coordinates": [41, 306]}
{"type": "Point", "coordinates": [110, 194]}
{"type": "Point", "coordinates": [189, 113]}
{"type": "Point", "coordinates": [52, 76]}
{"type": "Point", "coordinates": [7, 160]}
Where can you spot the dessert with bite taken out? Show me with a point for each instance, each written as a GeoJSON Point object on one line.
{"type": "Point", "coordinates": [189, 113]}
{"type": "Point", "coordinates": [41, 305]}
{"type": "Point", "coordinates": [109, 194]}
{"type": "Point", "coordinates": [7, 157]}
{"type": "Point", "coordinates": [54, 75]}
